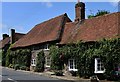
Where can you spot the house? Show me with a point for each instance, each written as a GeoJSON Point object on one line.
{"type": "Point", "coordinates": [7, 41]}
{"type": "Point", "coordinates": [61, 30]}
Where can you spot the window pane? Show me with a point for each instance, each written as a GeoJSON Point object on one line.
{"type": "Point", "coordinates": [98, 61]}
{"type": "Point", "coordinates": [100, 66]}
{"type": "Point", "coordinates": [48, 60]}
{"type": "Point", "coordinates": [71, 66]}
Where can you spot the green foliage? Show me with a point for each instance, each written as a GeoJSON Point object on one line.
{"type": "Point", "coordinates": [56, 61]}
{"type": "Point", "coordinates": [85, 53]}
{"type": "Point", "coordinates": [11, 66]}
{"type": "Point", "coordinates": [23, 67]}
{"type": "Point", "coordinates": [99, 13]}
{"type": "Point", "coordinates": [91, 16]}
{"type": "Point", "coordinates": [19, 56]}
{"type": "Point", "coordinates": [9, 57]}
{"type": "Point", "coordinates": [3, 58]}
{"type": "Point", "coordinates": [23, 58]}
{"type": "Point", "coordinates": [40, 62]}
{"type": "Point", "coordinates": [17, 66]}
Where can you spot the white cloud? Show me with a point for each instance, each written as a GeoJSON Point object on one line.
{"type": "Point", "coordinates": [47, 4]}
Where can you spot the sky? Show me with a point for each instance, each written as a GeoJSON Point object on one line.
{"type": "Point", "coordinates": [23, 16]}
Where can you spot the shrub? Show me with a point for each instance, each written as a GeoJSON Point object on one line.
{"type": "Point", "coordinates": [17, 66]}
{"type": "Point", "coordinates": [23, 67]}
{"type": "Point", "coordinates": [40, 62]}
{"type": "Point", "coordinates": [11, 66]}
{"type": "Point", "coordinates": [56, 62]}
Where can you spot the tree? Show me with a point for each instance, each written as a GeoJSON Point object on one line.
{"type": "Point", "coordinates": [99, 13]}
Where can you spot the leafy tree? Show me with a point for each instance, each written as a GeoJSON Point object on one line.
{"type": "Point", "coordinates": [99, 13]}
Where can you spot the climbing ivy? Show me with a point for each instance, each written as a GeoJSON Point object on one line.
{"type": "Point", "coordinates": [85, 53]}
{"type": "Point", "coordinates": [19, 56]}
{"type": "Point", "coordinates": [40, 62]}
{"type": "Point", "coordinates": [56, 61]}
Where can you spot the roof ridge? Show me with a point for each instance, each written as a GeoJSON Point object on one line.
{"type": "Point", "coordinates": [20, 33]}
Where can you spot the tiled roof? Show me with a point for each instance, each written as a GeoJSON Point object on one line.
{"type": "Point", "coordinates": [107, 26]}
{"type": "Point", "coordinates": [17, 36]}
{"type": "Point", "coordinates": [4, 42]}
{"type": "Point", "coordinates": [47, 31]}
{"type": "Point", "coordinates": [8, 39]}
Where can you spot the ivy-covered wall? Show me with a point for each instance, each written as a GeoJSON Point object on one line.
{"type": "Point", "coordinates": [85, 53]}
{"type": "Point", "coordinates": [21, 57]}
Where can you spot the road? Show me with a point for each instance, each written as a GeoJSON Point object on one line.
{"type": "Point", "coordinates": [9, 75]}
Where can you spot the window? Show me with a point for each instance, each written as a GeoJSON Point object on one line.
{"type": "Point", "coordinates": [48, 61]}
{"type": "Point", "coordinates": [99, 67]}
{"type": "Point", "coordinates": [72, 65]}
{"type": "Point", "coordinates": [46, 47]}
{"type": "Point", "coordinates": [33, 62]}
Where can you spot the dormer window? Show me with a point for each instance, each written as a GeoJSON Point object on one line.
{"type": "Point", "coordinates": [46, 47]}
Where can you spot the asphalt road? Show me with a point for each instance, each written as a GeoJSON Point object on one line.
{"type": "Point", "coordinates": [9, 75]}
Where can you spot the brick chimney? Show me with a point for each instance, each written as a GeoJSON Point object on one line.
{"type": "Point", "coordinates": [79, 11]}
{"type": "Point", "coordinates": [12, 36]}
{"type": "Point", "coordinates": [5, 36]}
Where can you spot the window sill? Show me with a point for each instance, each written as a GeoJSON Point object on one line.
{"type": "Point", "coordinates": [47, 49]}
{"type": "Point", "coordinates": [99, 71]}
{"type": "Point", "coordinates": [33, 65]}
{"type": "Point", "coordinates": [73, 69]}
{"type": "Point", "coordinates": [47, 66]}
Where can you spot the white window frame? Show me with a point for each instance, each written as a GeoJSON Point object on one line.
{"type": "Point", "coordinates": [70, 69]}
{"type": "Point", "coordinates": [47, 62]}
{"type": "Point", "coordinates": [96, 66]}
{"type": "Point", "coordinates": [33, 62]}
{"type": "Point", "coordinates": [46, 47]}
